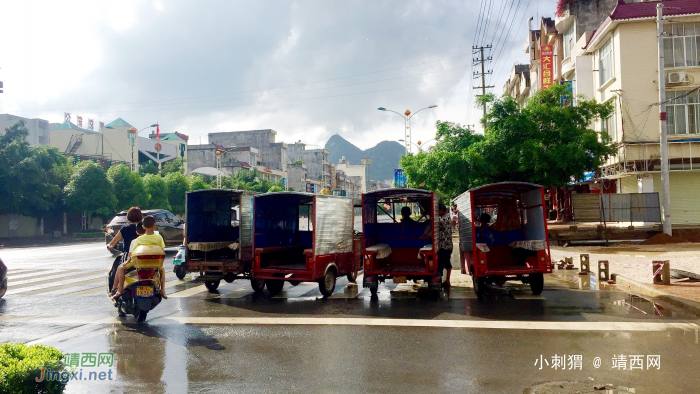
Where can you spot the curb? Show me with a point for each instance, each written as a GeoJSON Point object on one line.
{"type": "Point", "coordinates": [647, 290]}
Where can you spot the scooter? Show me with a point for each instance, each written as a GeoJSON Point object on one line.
{"type": "Point", "coordinates": [142, 284]}
{"type": "Point", "coordinates": [3, 278]}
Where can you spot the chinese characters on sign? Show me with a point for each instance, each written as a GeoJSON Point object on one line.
{"type": "Point", "coordinates": [547, 60]}
{"type": "Point", "coordinates": [619, 362]}
{"type": "Point", "coordinates": [88, 359]}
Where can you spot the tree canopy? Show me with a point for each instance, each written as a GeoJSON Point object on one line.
{"type": "Point", "coordinates": [177, 189]}
{"type": "Point", "coordinates": [31, 179]}
{"type": "Point", "coordinates": [543, 143]}
{"type": "Point", "coordinates": [128, 187]}
{"type": "Point", "coordinates": [90, 191]}
{"type": "Point", "coordinates": [157, 190]}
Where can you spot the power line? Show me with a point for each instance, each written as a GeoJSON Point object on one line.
{"type": "Point", "coordinates": [512, 43]}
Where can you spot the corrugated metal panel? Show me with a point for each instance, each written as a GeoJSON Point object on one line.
{"type": "Point", "coordinates": [464, 212]}
{"type": "Point", "coordinates": [246, 212]}
{"type": "Point", "coordinates": [644, 207]}
{"type": "Point", "coordinates": [586, 207]}
{"type": "Point", "coordinates": [333, 232]}
{"type": "Point", "coordinates": [616, 207]}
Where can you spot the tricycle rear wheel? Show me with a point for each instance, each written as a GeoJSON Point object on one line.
{"type": "Point", "coordinates": [327, 283]}
{"type": "Point", "coordinates": [212, 285]}
{"type": "Point", "coordinates": [374, 287]}
{"type": "Point", "coordinates": [258, 285]}
{"type": "Point", "coordinates": [352, 277]}
{"type": "Point", "coordinates": [536, 283]}
{"type": "Point", "coordinates": [274, 286]}
{"type": "Point", "coordinates": [479, 286]}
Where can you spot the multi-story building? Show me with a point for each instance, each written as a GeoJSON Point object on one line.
{"type": "Point", "coordinates": [360, 170]}
{"type": "Point", "coordinates": [39, 129]}
{"type": "Point", "coordinates": [232, 159]}
{"type": "Point", "coordinates": [273, 154]}
{"type": "Point", "coordinates": [611, 55]}
{"type": "Point", "coordinates": [518, 85]}
{"type": "Point", "coordinates": [315, 160]}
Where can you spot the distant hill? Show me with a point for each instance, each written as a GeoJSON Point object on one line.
{"type": "Point", "coordinates": [385, 156]}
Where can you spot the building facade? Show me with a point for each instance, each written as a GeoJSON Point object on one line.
{"type": "Point", "coordinates": [273, 154]}
{"type": "Point", "coordinates": [361, 171]}
{"type": "Point", "coordinates": [315, 161]}
{"type": "Point", "coordinates": [39, 129]}
{"type": "Point", "coordinates": [611, 55]}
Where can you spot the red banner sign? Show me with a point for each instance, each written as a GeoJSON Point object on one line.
{"type": "Point", "coordinates": [547, 61]}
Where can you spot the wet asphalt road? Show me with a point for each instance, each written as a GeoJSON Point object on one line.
{"type": "Point", "coordinates": [403, 341]}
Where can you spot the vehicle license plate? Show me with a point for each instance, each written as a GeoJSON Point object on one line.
{"type": "Point", "coordinates": [144, 291]}
{"type": "Point", "coordinates": [399, 279]}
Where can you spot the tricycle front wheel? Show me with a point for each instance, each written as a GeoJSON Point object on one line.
{"type": "Point", "coordinates": [212, 285]}
{"type": "Point", "coordinates": [536, 283]}
{"type": "Point", "coordinates": [180, 272]}
{"type": "Point", "coordinates": [352, 277]}
{"type": "Point", "coordinates": [274, 286]}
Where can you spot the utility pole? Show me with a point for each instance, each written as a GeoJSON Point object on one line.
{"type": "Point", "coordinates": [665, 183]}
{"type": "Point", "coordinates": [483, 73]}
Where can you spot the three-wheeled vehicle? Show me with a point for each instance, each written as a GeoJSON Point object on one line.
{"type": "Point", "coordinates": [218, 241]}
{"type": "Point", "coordinates": [302, 237]}
{"type": "Point", "coordinates": [398, 248]}
{"type": "Point", "coordinates": [513, 244]}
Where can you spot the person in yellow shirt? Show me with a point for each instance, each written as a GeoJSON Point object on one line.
{"type": "Point", "coordinates": [150, 238]}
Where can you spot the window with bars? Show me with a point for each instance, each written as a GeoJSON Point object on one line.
{"type": "Point", "coordinates": [683, 113]}
{"type": "Point", "coordinates": [681, 44]}
{"type": "Point", "coordinates": [605, 62]}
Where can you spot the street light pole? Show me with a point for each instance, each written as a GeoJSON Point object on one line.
{"type": "Point", "coordinates": [133, 133]}
{"type": "Point", "coordinates": [407, 124]}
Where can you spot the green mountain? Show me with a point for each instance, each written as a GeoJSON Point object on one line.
{"type": "Point", "coordinates": [385, 156]}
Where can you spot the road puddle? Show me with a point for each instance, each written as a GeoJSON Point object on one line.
{"type": "Point", "coordinates": [643, 306]}
{"type": "Point", "coordinates": [589, 281]}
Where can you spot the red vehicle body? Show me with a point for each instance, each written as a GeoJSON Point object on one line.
{"type": "Point", "coordinates": [302, 237]}
{"type": "Point", "coordinates": [396, 250]}
{"type": "Point", "coordinates": [515, 242]}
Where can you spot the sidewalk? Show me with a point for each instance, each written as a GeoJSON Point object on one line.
{"type": "Point", "coordinates": [632, 265]}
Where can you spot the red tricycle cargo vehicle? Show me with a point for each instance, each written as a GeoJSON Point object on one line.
{"type": "Point", "coordinates": [503, 235]}
{"type": "Point", "coordinates": [302, 237]}
{"type": "Point", "coordinates": [396, 248]}
{"type": "Point", "coordinates": [218, 241]}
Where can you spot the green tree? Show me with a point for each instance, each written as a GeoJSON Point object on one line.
{"type": "Point", "coordinates": [31, 179]}
{"type": "Point", "coordinates": [128, 187]}
{"type": "Point", "coordinates": [157, 190]}
{"type": "Point", "coordinates": [90, 191]}
{"type": "Point", "coordinates": [275, 188]}
{"type": "Point", "coordinates": [148, 168]}
{"type": "Point", "coordinates": [543, 143]}
{"type": "Point", "coordinates": [175, 165]}
{"type": "Point", "coordinates": [197, 182]}
{"type": "Point", "coordinates": [177, 188]}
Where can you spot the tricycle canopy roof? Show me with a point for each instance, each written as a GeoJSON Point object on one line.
{"type": "Point", "coordinates": [222, 191]}
{"type": "Point", "coordinates": [501, 189]}
{"type": "Point", "coordinates": [299, 194]}
{"type": "Point", "coordinates": [399, 193]}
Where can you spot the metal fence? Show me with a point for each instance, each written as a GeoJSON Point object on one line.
{"type": "Point", "coordinates": [617, 207]}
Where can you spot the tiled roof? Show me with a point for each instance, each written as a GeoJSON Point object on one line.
{"type": "Point", "coordinates": [172, 137]}
{"type": "Point", "coordinates": [648, 9]}
{"type": "Point", "coordinates": [119, 122]}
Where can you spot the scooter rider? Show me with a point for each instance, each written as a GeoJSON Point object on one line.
{"type": "Point", "coordinates": [150, 238]}
{"type": "Point", "coordinates": [128, 234]}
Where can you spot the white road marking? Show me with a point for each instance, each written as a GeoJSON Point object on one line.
{"type": "Point", "coordinates": [298, 290]}
{"type": "Point", "coordinates": [369, 322]}
{"type": "Point", "coordinates": [189, 292]}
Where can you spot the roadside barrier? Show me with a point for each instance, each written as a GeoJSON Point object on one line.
{"type": "Point", "coordinates": [603, 270]}
{"type": "Point", "coordinates": [585, 262]}
{"type": "Point", "coordinates": [662, 272]}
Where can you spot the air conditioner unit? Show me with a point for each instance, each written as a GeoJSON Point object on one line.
{"type": "Point", "coordinates": [676, 77]}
